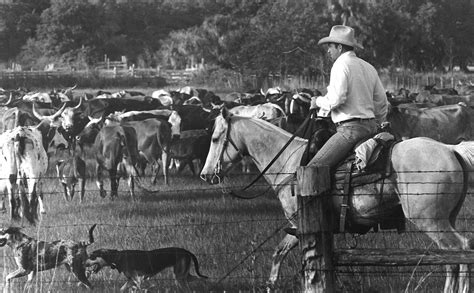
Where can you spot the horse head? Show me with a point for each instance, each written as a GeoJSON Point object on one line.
{"type": "Point", "coordinates": [223, 149]}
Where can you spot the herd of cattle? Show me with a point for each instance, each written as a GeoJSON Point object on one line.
{"type": "Point", "coordinates": [126, 131]}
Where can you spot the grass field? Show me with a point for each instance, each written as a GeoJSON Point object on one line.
{"type": "Point", "coordinates": [232, 238]}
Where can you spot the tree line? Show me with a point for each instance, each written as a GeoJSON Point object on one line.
{"type": "Point", "coordinates": [248, 36]}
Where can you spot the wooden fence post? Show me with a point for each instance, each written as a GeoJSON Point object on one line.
{"type": "Point", "coordinates": [315, 231]}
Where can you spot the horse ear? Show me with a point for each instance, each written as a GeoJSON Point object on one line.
{"type": "Point", "coordinates": [225, 113]}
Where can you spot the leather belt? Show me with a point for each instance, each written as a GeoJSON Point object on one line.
{"type": "Point", "coordinates": [353, 120]}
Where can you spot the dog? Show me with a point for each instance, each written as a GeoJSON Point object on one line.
{"type": "Point", "coordinates": [138, 265]}
{"type": "Point", "coordinates": [32, 255]}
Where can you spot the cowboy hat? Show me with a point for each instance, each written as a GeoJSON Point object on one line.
{"type": "Point", "coordinates": [341, 34]}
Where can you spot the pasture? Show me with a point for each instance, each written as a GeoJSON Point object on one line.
{"type": "Point", "coordinates": [232, 238]}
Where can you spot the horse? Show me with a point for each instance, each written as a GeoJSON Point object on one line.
{"type": "Point", "coordinates": [415, 174]}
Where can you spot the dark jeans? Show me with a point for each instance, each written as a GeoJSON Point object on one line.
{"type": "Point", "coordinates": [342, 142]}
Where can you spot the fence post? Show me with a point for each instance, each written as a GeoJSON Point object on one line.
{"type": "Point", "coordinates": [315, 229]}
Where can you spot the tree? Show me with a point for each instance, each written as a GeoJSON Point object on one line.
{"type": "Point", "coordinates": [19, 22]}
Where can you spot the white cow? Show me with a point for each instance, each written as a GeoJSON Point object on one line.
{"type": "Point", "coordinates": [24, 162]}
{"type": "Point", "coordinates": [267, 111]}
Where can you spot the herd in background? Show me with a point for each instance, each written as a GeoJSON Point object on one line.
{"type": "Point", "coordinates": [126, 131]}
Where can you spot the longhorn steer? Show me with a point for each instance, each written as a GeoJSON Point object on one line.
{"type": "Point", "coordinates": [23, 163]}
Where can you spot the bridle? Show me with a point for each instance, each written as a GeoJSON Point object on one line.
{"type": "Point", "coordinates": [228, 139]}
{"type": "Point", "coordinates": [218, 173]}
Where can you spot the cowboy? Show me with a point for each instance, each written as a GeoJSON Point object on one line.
{"type": "Point", "coordinates": [355, 98]}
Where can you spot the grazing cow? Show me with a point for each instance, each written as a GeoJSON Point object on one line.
{"type": "Point", "coordinates": [70, 172]}
{"type": "Point", "coordinates": [115, 150]}
{"type": "Point", "coordinates": [448, 124]}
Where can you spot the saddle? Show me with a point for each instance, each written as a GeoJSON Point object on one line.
{"type": "Point", "coordinates": [370, 175]}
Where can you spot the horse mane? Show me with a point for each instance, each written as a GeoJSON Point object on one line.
{"type": "Point", "coordinates": [267, 126]}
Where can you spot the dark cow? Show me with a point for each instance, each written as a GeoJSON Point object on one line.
{"type": "Point", "coordinates": [448, 124]}
{"type": "Point", "coordinates": [164, 114]}
{"type": "Point", "coordinates": [154, 139]}
{"type": "Point", "coordinates": [192, 145]}
{"type": "Point", "coordinates": [71, 172]}
{"type": "Point", "coordinates": [440, 91]}
{"type": "Point", "coordinates": [194, 117]}
{"type": "Point", "coordinates": [75, 118]}
{"type": "Point", "coordinates": [115, 150]}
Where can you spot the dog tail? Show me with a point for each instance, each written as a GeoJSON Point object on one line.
{"type": "Point", "coordinates": [91, 236]}
{"type": "Point", "coordinates": [196, 267]}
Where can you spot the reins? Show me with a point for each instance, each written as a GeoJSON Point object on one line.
{"type": "Point", "coordinates": [301, 127]}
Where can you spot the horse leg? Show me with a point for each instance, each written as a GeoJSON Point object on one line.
{"type": "Point", "coordinates": [446, 237]}
{"type": "Point", "coordinates": [281, 251]}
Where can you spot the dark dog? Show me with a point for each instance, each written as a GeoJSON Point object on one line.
{"type": "Point", "coordinates": [32, 255]}
{"type": "Point", "coordinates": [138, 265]}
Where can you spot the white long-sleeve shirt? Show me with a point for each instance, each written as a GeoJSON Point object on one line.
{"type": "Point", "coordinates": [354, 91]}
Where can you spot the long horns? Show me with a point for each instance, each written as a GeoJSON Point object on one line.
{"type": "Point", "coordinates": [50, 117]}
{"type": "Point", "coordinates": [10, 100]}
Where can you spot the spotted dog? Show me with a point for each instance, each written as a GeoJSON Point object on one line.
{"type": "Point", "coordinates": [140, 265]}
{"type": "Point", "coordinates": [32, 255]}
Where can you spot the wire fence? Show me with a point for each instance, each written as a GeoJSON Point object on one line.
{"type": "Point", "coordinates": [233, 239]}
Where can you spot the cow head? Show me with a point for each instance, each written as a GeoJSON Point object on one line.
{"type": "Point", "coordinates": [175, 121]}
{"type": "Point", "coordinates": [88, 134]}
{"type": "Point", "coordinates": [69, 115]}
{"type": "Point", "coordinates": [47, 125]}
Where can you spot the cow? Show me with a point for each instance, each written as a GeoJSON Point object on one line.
{"type": "Point", "coordinates": [75, 118]}
{"type": "Point", "coordinates": [23, 164]}
{"type": "Point", "coordinates": [164, 97]}
{"type": "Point", "coordinates": [438, 91]}
{"type": "Point", "coordinates": [153, 143]}
{"type": "Point", "coordinates": [115, 150]}
{"type": "Point", "coordinates": [192, 145]}
{"type": "Point", "coordinates": [267, 111]}
{"type": "Point", "coordinates": [448, 124]}
{"type": "Point", "coordinates": [164, 114]}
{"type": "Point", "coordinates": [70, 172]}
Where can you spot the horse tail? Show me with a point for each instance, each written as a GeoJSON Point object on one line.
{"type": "Point", "coordinates": [464, 152]}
